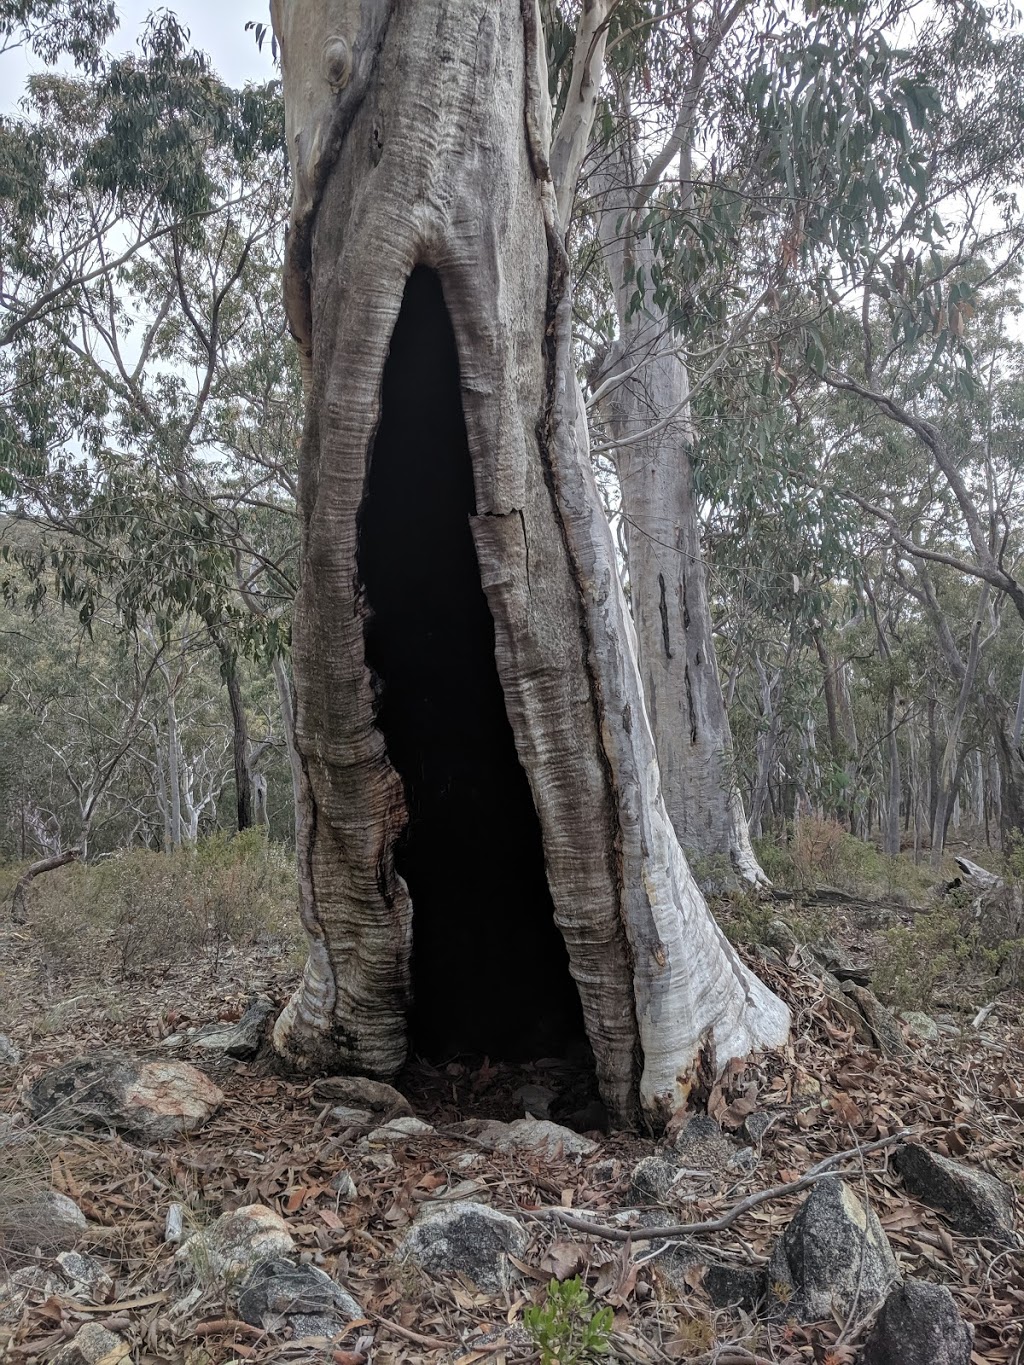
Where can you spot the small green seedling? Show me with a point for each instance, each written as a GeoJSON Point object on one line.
{"type": "Point", "coordinates": [566, 1329]}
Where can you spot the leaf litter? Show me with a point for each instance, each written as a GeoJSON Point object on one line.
{"type": "Point", "coordinates": [275, 1142]}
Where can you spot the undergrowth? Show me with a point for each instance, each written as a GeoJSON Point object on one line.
{"type": "Point", "coordinates": [140, 908]}
{"type": "Point", "coordinates": [820, 852]}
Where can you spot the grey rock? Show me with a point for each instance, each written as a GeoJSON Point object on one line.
{"type": "Point", "coordinates": [674, 1267]}
{"type": "Point", "coordinates": [535, 1100]}
{"type": "Point", "coordinates": [28, 1283]}
{"type": "Point", "coordinates": [465, 1239]}
{"type": "Point", "coordinates": [146, 1099]}
{"type": "Point", "coordinates": [9, 1054]}
{"type": "Point", "coordinates": [700, 1143]}
{"type": "Point", "coordinates": [756, 1125]}
{"type": "Point", "coordinates": [227, 1250]}
{"type": "Point", "coordinates": [348, 1116]}
{"type": "Point", "coordinates": [732, 1286]}
{"type": "Point", "coordinates": [359, 1092]}
{"type": "Point", "coordinates": [920, 1025]}
{"type": "Point", "coordinates": [838, 962]}
{"type": "Point", "coordinates": [277, 1293]}
{"type": "Point", "coordinates": [400, 1128]}
{"type": "Point", "coordinates": [539, 1136]}
{"type": "Point", "coordinates": [93, 1345]}
{"type": "Point", "coordinates": [242, 1039]}
{"type": "Point", "coordinates": [652, 1178]}
{"type": "Point", "coordinates": [833, 1257]}
{"type": "Point", "coordinates": [845, 1006]}
{"type": "Point", "coordinates": [41, 1218]}
{"type": "Point", "coordinates": [344, 1186]}
{"type": "Point", "coordinates": [605, 1172]}
{"type": "Point", "coordinates": [85, 1275]}
{"type": "Point", "coordinates": [778, 935]}
{"type": "Point", "coordinates": [974, 1202]}
{"type": "Point", "coordinates": [745, 1159]}
{"type": "Point", "coordinates": [919, 1325]}
{"type": "Point", "coordinates": [880, 1020]}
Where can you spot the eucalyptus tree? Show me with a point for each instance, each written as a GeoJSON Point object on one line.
{"type": "Point", "coordinates": [485, 839]}
{"type": "Point", "coordinates": [143, 236]}
{"type": "Point", "coordinates": [52, 29]}
{"type": "Point", "coordinates": [930, 374]}
{"type": "Point", "coordinates": [737, 145]}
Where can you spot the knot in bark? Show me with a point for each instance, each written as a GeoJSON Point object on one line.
{"type": "Point", "coordinates": [336, 62]}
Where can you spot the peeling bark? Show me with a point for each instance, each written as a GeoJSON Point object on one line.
{"type": "Point", "coordinates": [433, 153]}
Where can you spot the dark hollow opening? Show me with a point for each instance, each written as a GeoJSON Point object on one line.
{"type": "Point", "coordinates": [490, 969]}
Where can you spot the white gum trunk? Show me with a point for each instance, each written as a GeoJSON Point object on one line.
{"type": "Point", "coordinates": [418, 137]}
{"type": "Point", "coordinates": [649, 431]}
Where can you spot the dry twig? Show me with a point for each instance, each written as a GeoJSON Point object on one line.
{"type": "Point", "coordinates": [675, 1231]}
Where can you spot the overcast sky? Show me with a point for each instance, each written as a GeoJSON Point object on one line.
{"type": "Point", "coordinates": [217, 26]}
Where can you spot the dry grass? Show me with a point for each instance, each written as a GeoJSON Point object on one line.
{"type": "Point", "coordinates": [143, 909]}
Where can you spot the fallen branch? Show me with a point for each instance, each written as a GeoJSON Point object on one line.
{"type": "Point", "coordinates": [439, 1343]}
{"type": "Point", "coordinates": [36, 870]}
{"type": "Point", "coordinates": [216, 1327]}
{"type": "Point", "coordinates": [674, 1232]}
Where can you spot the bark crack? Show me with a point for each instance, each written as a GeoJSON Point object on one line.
{"type": "Point", "coordinates": [663, 610]}
{"type": "Point", "coordinates": [526, 545]}
{"type": "Point", "coordinates": [689, 705]}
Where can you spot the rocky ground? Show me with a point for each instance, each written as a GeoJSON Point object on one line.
{"type": "Point", "coordinates": [165, 1196]}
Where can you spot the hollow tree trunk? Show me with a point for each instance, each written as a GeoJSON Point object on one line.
{"type": "Point", "coordinates": [453, 536]}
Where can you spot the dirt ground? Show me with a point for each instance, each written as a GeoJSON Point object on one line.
{"type": "Point", "coordinates": [274, 1142]}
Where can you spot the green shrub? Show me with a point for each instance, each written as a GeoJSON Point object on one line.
{"type": "Point", "coordinates": [776, 861]}
{"type": "Point", "coordinates": [566, 1328]}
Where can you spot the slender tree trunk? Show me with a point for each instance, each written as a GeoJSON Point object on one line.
{"type": "Point", "coordinates": [244, 801]}
{"type": "Point", "coordinates": [933, 761]}
{"type": "Point", "coordinates": [1010, 757]}
{"type": "Point", "coordinates": [161, 793]}
{"type": "Point", "coordinates": [949, 767]}
{"type": "Point", "coordinates": [419, 139]}
{"type": "Point", "coordinates": [173, 768]}
{"type": "Point", "coordinates": [891, 827]}
{"type": "Point", "coordinates": [767, 744]}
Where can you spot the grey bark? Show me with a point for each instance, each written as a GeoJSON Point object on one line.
{"type": "Point", "coordinates": [418, 135]}
{"type": "Point", "coordinates": [286, 703]}
{"type": "Point", "coordinates": [648, 430]}
{"type": "Point", "coordinates": [950, 761]}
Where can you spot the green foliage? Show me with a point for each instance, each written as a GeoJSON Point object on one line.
{"type": "Point", "coordinates": [53, 28]}
{"type": "Point", "coordinates": [566, 1328]}
{"type": "Point", "coordinates": [914, 960]}
{"type": "Point", "coordinates": [975, 941]}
